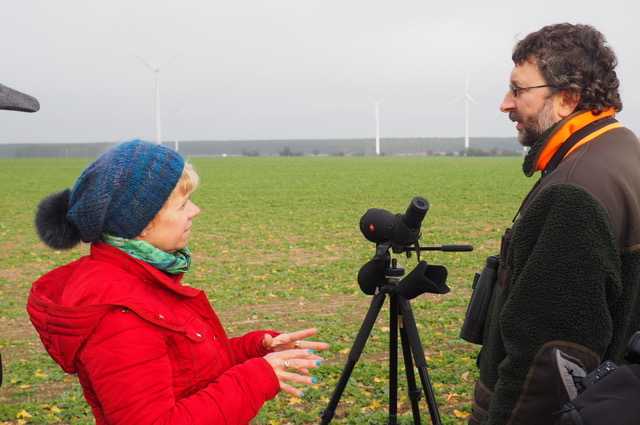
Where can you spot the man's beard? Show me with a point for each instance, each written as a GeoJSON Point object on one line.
{"type": "Point", "coordinates": [535, 127]}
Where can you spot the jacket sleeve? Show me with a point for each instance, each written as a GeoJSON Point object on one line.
{"type": "Point", "coordinates": [250, 345]}
{"type": "Point", "coordinates": [128, 373]}
{"type": "Point", "coordinates": [565, 275]}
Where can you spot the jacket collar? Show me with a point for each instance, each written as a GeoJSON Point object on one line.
{"type": "Point", "coordinates": [106, 253]}
{"type": "Point", "coordinates": [543, 150]}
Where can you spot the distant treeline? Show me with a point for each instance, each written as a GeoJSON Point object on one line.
{"type": "Point", "coordinates": [481, 146]}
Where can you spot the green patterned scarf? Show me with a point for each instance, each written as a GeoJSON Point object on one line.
{"type": "Point", "coordinates": [175, 262]}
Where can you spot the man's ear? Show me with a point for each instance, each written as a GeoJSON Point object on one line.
{"type": "Point", "coordinates": [568, 102]}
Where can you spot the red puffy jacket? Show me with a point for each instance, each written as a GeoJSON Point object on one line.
{"type": "Point", "coordinates": [146, 349]}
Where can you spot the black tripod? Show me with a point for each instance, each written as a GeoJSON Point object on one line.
{"type": "Point", "coordinates": [401, 317]}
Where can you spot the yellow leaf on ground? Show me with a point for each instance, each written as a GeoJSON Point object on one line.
{"type": "Point", "coordinates": [374, 405]}
{"type": "Point", "coordinates": [23, 414]}
{"type": "Point", "coordinates": [452, 397]}
{"type": "Point", "coordinates": [460, 414]}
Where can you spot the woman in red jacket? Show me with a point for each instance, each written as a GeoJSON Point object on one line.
{"type": "Point", "coordinates": [146, 349]}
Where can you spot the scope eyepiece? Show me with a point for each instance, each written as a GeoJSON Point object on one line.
{"type": "Point", "coordinates": [416, 211]}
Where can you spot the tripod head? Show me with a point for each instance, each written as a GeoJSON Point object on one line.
{"type": "Point", "coordinates": [400, 233]}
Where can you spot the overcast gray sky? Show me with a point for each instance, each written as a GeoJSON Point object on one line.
{"type": "Point", "coordinates": [272, 69]}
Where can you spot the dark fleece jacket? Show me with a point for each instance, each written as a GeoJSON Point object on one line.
{"type": "Point", "coordinates": [573, 268]}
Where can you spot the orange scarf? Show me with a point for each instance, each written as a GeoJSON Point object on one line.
{"type": "Point", "coordinates": [574, 124]}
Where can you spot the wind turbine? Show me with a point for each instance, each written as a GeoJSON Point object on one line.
{"type": "Point", "coordinates": [467, 97]}
{"type": "Point", "coordinates": [156, 70]}
{"type": "Point", "coordinates": [377, 109]}
{"type": "Point", "coordinates": [176, 111]}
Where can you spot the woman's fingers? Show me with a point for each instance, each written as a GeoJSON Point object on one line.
{"type": "Point", "coordinates": [294, 340]}
{"type": "Point", "coordinates": [302, 363]}
{"type": "Point", "coordinates": [293, 366]}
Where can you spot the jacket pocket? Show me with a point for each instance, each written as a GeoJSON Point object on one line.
{"type": "Point", "coordinates": [481, 401]}
{"type": "Point", "coordinates": [198, 357]}
{"type": "Point", "coordinates": [196, 331]}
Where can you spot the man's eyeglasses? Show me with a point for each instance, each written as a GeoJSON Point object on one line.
{"type": "Point", "coordinates": [515, 90]}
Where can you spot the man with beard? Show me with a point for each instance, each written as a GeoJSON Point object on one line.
{"type": "Point", "coordinates": [569, 274]}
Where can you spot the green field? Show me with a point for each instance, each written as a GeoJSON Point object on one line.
{"type": "Point", "coordinates": [278, 246]}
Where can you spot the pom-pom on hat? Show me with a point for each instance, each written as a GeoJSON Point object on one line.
{"type": "Point", "coordinates": [120, 193]}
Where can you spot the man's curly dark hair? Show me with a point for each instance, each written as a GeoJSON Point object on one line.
{"type": "Point", "coordinates": [575, 58]}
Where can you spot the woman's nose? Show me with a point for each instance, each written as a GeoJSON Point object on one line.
{"type": "Point", "coordinates": [194, 210]}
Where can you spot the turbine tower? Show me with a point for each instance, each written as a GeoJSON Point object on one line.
{"type": "Point", "coordinates": [156, 70]}
{"type": "Point", "coordinates": [176, 111]}
{"type": "Point", "coordinates": [467, 97]}
{"type": "Point", "coordinates": [377, 109]}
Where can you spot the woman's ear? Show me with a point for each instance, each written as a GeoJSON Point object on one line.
{"type": "Point", "coordinates": [145, 231]}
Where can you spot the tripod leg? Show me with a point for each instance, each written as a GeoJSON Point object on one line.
{"type": "Point", "coordinates": [418, 355]}
{"type": "Point", "coordinates": [354, 355]}
{"type": "Point", "coordinates": [415, 393]}
{"type": "Point", "coordinates": [393, 360]}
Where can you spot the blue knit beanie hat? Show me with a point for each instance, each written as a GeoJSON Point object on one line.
{"type": "Point", "coordinates": [120, 193]}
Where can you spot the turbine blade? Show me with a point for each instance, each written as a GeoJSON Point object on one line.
{"type": "Point", "coordinates": [457, 99]}
{"type": "Point", "coordinates": [466, 90]}
{"type": "Point", "coordinates": [378, 102]}
{"type": "Point", "coordinates": [167, 62]}
{"type": "Point", "coordinates": [144, 62]}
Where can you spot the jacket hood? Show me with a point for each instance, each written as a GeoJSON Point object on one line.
{"type": "Point", "coordinates": [66, 304]}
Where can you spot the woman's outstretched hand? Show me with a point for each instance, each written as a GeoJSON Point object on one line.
{"type": "Point", "coordinates": [293, 340]}
{"type": "Point", "coordinates": [293, 357]}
